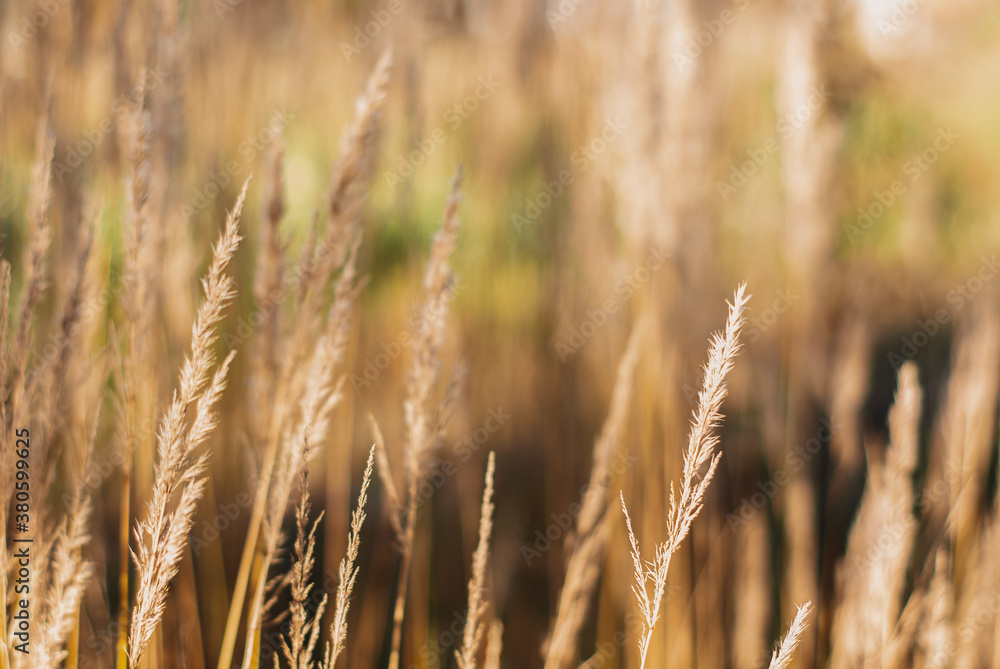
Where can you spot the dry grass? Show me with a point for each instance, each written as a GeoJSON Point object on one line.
{"type": "Point", "coordinates": [475, 625]}
{"type": "Point", "coordinates": [782, 656]}
{"type": "Point", "coordinates": [198, 488]}
{"type": "Point", "coordinates": [348, 573]}
{"type": "Point", "coordinates": [685, 507]}
{"type": "Point", "coordinates": [424, 416]}
{"type": "Point", "coordinates": [161, 537]}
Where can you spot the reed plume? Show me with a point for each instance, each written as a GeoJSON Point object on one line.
{"type": "Point", "coordinates": [305, 625]}
{"type": "Point", "coordinates": [935, 646]}
{"type": "Point", "coordinates": [270, 291]}
{"type": "Point", "coordinates": [348, 572]}
{"type": "Point", "coordinates": [640, 155]}
{"type": "Point", "coordinates": [318, 262]}
{"type": "Point", "coordinates": [161, 536]}
{"type": "Point", "coordinates": [49, 386]}
{"type": "Point", "coordinates": [35, 267]}
{"type": "Point", "coordinates": [136, 288]}
{"type": "Point", "coordinates": [969, 428]}
{"type": "Point", "coordinates": [684, 508]}
{"type": "Point", "coordinates": [475, 626]}
{"type": "Point", "coordinates": [347, 190]}
{"type": "Point", "coordinates": [782, 656]}
{"type": "Point", "coordinates": [878, 552]}
{"type": "Point", "coordinates": [321, 393]}
{"type": "Point", "coordinates": [494, 645]}
{"type": "Point", "coordinates": [70, 571]}
{"type": "Point", "coordinates": [424, 419]}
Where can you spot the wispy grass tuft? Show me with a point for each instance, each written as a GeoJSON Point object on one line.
{"type": "Point", "coordinates": [162, 535]}
{"type": "Point", "coordinates": [700, 462]}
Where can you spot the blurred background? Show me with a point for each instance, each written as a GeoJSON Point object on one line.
{"type": "Point", "coordinates": [621, 158]}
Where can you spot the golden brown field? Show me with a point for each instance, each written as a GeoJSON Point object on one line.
{"type": "Point", "coordinates": [535, 333]}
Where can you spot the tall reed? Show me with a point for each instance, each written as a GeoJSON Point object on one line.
{"type": "Point", "coordinates": [700, 463]}
{"type": "Point", "coordinates": [162, 535]}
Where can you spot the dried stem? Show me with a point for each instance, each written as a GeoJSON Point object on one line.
{"type": "Point", "coordinates": [696, 475]}
{"type": "Point", "coordinates": [475, 626]}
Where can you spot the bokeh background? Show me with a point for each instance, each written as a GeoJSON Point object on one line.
{"type": "Point", "coordinates": [620, 158]}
